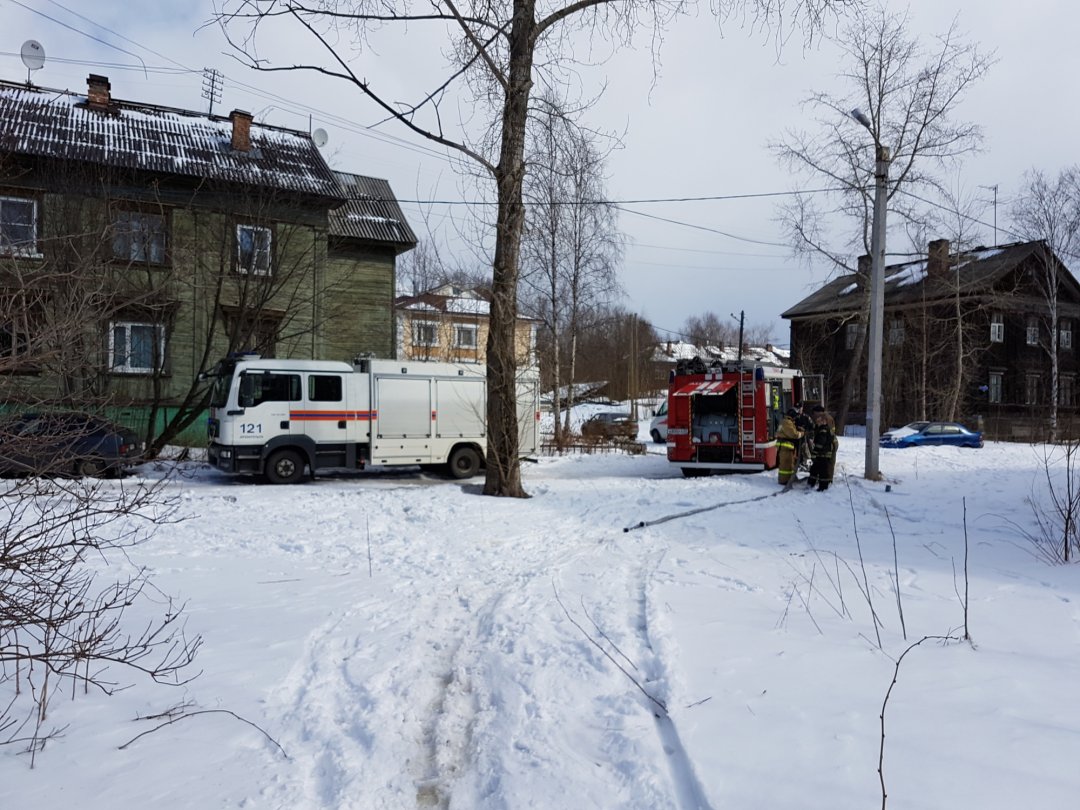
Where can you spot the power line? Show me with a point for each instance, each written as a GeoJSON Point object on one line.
{"type": "Point", "coordinates": [703, 227]}
{"type": "Point", "coordinates": [112, 65]}
{"type": "Point", "coordinates": [961, 214]}
{"type": "Point", "coordinates": [76, 30]}
{"type": "Point", "coordinates": [111, 31]}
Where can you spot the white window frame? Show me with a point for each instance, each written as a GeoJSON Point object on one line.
{"type": "Point", "coordinates": [1031, 332]}
{"type": "Point", "coordinates": [418, 327]}
{"type": "Point", "coordinates": [127, 367]}
{"type": "Point", "coordinates": [851, 334]}
{"type": "Point", "coordinates": [1067, 390]}
{"type": "Point", "coordinates": [896, 332]}
{"type": "Point", "coordinates": [997, 328]}
{"type": "Point", "coordinates": [1031, 389]}
{"type": "Point", "coordinates": [1065, 334]}
{"type": "Point", "coordinates": [466, 329]}
{"type": "Point", "coordinates": [996, 384]}
{"type": "Point", "coordinates": [23, 249]}
{"type": "Point", "coordinates": [261, 257]}
{"type": "Point", "coordinates": [138, 235]}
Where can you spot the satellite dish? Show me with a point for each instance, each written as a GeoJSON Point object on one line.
{"type": "Point", "coordinates": [320, 137]}
{"type": "Point", "coordinates": [33, 55]}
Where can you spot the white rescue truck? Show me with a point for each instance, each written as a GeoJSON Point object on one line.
{"type": "Point", "coordinates": [278, 417]}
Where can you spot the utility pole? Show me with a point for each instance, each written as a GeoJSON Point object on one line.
{"type": "Point", "coordinates": [877, 300]}
{"type": "Point", "coordinates": [742, 320]}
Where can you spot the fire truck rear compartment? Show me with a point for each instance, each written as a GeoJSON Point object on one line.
{"type": "Point", "coordinates": [714, 426]}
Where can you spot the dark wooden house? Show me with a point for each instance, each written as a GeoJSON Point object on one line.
{"type": "Point", "coordinates": [967, 335]}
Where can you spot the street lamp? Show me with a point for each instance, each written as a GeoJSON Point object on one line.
{"type": "Point", "coordinates": [877, 300]}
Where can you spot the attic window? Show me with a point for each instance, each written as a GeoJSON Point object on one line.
{"type": "Point", "coordinates": [1065, 334]}
{"type": "Point", "coordinates": [18, 226]}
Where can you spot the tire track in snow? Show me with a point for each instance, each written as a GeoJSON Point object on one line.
{"type": "Point", "coordinates": [689, 793]}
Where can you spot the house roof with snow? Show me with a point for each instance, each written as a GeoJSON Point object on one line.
{"type": "Point", "coordinates": [969, 272]}
{"type": "Point", "coordinates": [447, 299]}
{"type": "Point", "coordinates": [96, 129]}
{"type": "Point", "coordinates": [673, 351]}
{"type": "Point", "coordinates": [371, 212]}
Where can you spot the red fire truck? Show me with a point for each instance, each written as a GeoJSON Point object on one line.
{"type": "Point", "coordinates": [723, 416]}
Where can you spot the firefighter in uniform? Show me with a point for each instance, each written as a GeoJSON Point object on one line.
{"type": "Point", "coordinates": [806, 427]}
{"type": "Point", "coordinates": [787, 440]}
{"type": "Point", "coordinates": [823, 450]}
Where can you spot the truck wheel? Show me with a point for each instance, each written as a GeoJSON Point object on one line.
{"type": "Point", "coordinates": [89, 468]}
{"type": "Point", "coordinates": [464, 463]}
{"type": "Point", "coordinates": [656, 436]}
{"type": "Point", "coordinates": [285, 467]}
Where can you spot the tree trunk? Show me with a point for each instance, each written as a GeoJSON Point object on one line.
{"type": "Point", "coordinates": [503, 466]}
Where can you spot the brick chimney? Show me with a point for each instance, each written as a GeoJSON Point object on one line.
{"type": "Point", "coordinates": [97, 92]}
{"type": "Point", "coordinates": [864, 266]}
{"type": "Point", "coordinates": [937, 262]}
{"type": "Point", "coordinates": [241, 130]}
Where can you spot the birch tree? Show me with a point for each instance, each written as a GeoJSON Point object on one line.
{"type": "Point", "coordinates": [571, 245]}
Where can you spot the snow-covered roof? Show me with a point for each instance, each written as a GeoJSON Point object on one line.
{"type": "Point", "coordinates": [371, 212]}
{"type": "Point", "coordinates": [673, 351]}
{"type": "Point", "coordinates": [971, 271]}
{"type": "Point", "coordinates": [127, 135]}
{"type": "Point", "coordinates": [449, 299]}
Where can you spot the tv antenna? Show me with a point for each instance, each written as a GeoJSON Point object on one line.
{"type": "Point", "coordinates": [320, 137]}
{"type": "Point", "coordinates": [33, 56]}
{"type": "Point", "coordinates": [211, 87]}
{"type": "Point", "coordinates": [994, 188]}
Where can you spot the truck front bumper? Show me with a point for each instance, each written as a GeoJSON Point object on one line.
{"type": "Point", "coordinates": [235, 460]}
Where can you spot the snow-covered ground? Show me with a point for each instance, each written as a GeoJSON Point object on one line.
{"type": "Point", "coordinates": [410, 643]}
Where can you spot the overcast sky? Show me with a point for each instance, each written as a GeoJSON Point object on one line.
{"type": "Point", "coordinates": [700, 131]}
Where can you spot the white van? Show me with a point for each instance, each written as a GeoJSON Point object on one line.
{"type": "Point", "coordinates": [658, 425]}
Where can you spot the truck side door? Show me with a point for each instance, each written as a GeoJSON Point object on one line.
{"type": "Point", "coordinates": [264, 399]}
{"type": "Point", "coordinates": [324, 414]}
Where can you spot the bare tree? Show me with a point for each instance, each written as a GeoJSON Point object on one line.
{"type": "Point", "coordinates": [1048, 211]}
{"type": "Point", "coordinates": [570, 244]}
{"type": "Point", "coordinates": [616, 348]}
{"type": "Point", "coordinates": [63, 624]}
{"type": "Point", "coordinates": [709, 330]}
{"type": "Point", "coordinates": [909, 93]}
{"type": "Point", "coordinates": [499, 52]}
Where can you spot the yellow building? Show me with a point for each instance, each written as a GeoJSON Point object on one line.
{"type": "Point", "coordinates": [450, 324]}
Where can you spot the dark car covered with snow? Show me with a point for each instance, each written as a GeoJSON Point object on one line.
{"type": "Point", "coordinates": [66, 443]}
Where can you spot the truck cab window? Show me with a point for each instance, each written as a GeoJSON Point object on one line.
{"type": "Point", "coordinates": [324, 388]}
{"type": "Point", "coordinates": [258, 388]}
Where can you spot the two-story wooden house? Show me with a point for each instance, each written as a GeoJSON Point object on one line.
{"type": "Point", "coordinates": [450, 323]}
{"type": "Point", "coordinates": [967, 335]}
{"type": "Point", "coordinates": [138, 244]}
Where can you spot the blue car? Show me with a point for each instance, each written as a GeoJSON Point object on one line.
{"type": "Point", "coordinates": [919, 434]}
